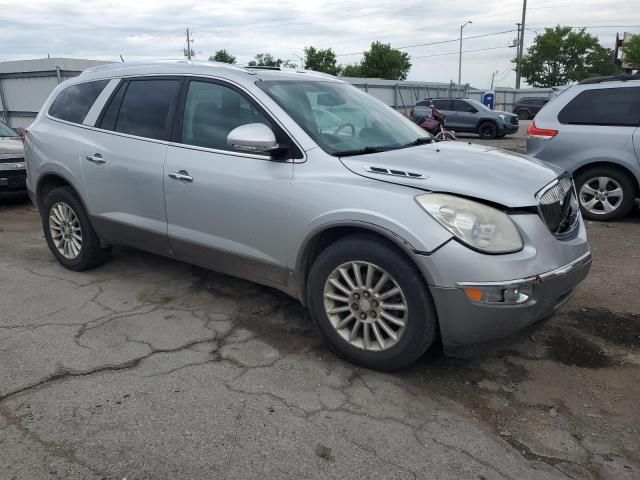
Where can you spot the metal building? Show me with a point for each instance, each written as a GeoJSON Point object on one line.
{"type": "Point", "coordinates": [26, 84]}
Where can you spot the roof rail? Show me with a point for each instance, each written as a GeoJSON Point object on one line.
{"type": "Point", "coordinates": [261, 67]}
{"type": "Point", "coordinates": [624, 77]}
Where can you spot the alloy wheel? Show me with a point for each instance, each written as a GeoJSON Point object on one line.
{"type": "Point", "coordinates": [365, 306]}
{"type": "Point", "coordinates": [65, 229]}
{"type": "Point", "coordinates": [601, 195]}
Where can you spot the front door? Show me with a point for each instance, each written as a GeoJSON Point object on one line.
{"type": "Point", "coordinates": [226, 210]}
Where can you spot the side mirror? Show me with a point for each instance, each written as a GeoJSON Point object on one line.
{"type": "Point", "coordinates": [253, 137]}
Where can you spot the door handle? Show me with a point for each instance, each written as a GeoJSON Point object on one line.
{"type": "Point", "coordinates": [96, 158]}
{"type": "Point", "coordinates": [181, 175]}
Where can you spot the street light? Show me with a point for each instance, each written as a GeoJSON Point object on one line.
{"type": "Point", "coordinates": [460, 55]}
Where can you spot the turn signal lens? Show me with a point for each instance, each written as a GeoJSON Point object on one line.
{"type": "Point", "coordinates": [474, 294]}
{"type": "Point", "coordinates": [543, 133]}
{"type": "Point", "coordinates": [505, 295]}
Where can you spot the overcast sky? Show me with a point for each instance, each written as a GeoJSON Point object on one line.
{"type": "Point", "coordinates": [146, 29]}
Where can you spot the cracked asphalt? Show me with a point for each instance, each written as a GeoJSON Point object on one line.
{"type": "Point", "coordinates": [148, 368]}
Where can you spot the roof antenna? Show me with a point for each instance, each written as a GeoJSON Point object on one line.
{"type": "Point", "coordinates": [121, 58]}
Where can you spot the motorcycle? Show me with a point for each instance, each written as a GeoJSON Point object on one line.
{"type": "Point", "coordinates": [432, 120]}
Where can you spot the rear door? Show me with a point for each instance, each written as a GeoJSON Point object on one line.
{"type": "Point", "coordinates": [122, 162]}
{"type": "Point", "coordinates": [445, 107]}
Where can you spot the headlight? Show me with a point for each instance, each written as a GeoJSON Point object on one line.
{"type": "Point", "coordinates": [479, 226]}
{"type": "Point", "coordinates": [503, 117]}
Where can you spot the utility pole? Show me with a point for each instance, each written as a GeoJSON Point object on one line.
{"type": "Point", "coordinates": [460, 53]}
{"type": "Point", "coordinates": [521, 44]}
{"type": "Point", "coordinates": [188, 52]}
{"type": "Point", "coordinates": [493, 76]}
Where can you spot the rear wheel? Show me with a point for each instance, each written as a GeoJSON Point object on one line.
{"type": "Point", "coordinates": [69, 233]}
{"type": "Point", "coordinates": [371, 304]}
{"type": "Point", "coordinates": [488, 130]}
{"type": "Point", "coordinates": [524, 114]}
{"type": "Point", "coordinates": [605, 193]}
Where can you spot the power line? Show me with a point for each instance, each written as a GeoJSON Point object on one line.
{"type": "Point", "coordinates": [435, 43]}
{"type": "Point", "coordinates": [456, 53]}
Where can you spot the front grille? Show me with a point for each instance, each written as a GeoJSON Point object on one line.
{"type": "Point", "coordinates": [558, 207]}
{"type": "Point", "coordinates": [514, 120]}
{"type": "Point", "coordinates": [11, 160]}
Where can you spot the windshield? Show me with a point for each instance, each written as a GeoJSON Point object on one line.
{"type": "Point", "coordinates": [6, 131]}
{"type": "Point", "coordinates": [342, 119]}
{"type": "Point", "coordinates": [477, 104]}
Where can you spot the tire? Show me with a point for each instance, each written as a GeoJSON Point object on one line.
{"type": "Point", "coordinates": [64, 216]}
{"type": "Point", "coordinates": [419, 317]}
{"type": "Point", "coordinates": [524, 114]}
{"type": "Point", "coordinates": [589, 184]}
{"type": "Point", "coordinates": [488, 130]}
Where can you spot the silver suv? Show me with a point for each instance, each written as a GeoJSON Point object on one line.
{"type": "Point", "coordinates": [391, 240]}
{"type": "Point", "coordinates": [591, 130]}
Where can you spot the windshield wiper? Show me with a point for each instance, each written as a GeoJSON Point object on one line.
{"type": "Point", "coordinates": [364, 151]}
{"type": "Point", "coordinates": [419, 141]}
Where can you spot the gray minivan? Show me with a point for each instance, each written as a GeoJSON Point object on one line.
{"type": "Point", "coordinates": [300, 181]}
{"type": "Point", "coordinates": [592, 130]}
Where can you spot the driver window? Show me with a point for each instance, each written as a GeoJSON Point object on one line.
{"type": "Point", "coordinates": [460, 106]}
{"type": "Point", "coordinates": [211, 111]}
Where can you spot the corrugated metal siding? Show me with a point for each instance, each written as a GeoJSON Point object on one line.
{"type": "Point", "coordinates": [26, 84]}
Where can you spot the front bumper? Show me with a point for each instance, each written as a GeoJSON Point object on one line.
{"type": "Point", "coordinates": [507, 128]}
{"type": "Point", "coordinates": [454, 267]}
{"type": "Point", "coordinates": [13, 182]}
{"type": "Point", "coordinates": [466, 322]}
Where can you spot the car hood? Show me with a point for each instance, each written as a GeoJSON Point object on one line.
{"type": "Point", "coordinates": [10, 148]}
{"type": "Point", "coordinates": [487, 173]}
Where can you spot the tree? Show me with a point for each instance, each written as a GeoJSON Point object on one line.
{"type": "Point", "coordinates": [381, 61]}
{"type": "Point", "coordinates": [561, 55]}
{"type": "Point", "coordinates": [265, 60]}
{"type": "Point", "coordinates": [351, 71]}
{"type": "Point", "coordinates": [321, 60]}
{"type": "Point", "coordinates": [223, 56]}
{"type": "Point", "coordinates": [631, 51]}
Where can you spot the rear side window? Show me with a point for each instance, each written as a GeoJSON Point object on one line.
{"type": "Point", "coordinates": [74, 102]}
{"type": "Point", "coordinates": [607, 106]}
{"type": "Point", "coordinates": [143, 108]}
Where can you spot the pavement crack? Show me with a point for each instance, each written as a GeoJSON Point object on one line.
{"type": "Point", "coordinates": [472, 456]}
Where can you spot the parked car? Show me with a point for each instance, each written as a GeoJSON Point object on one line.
{"type": "Point", "coordinates": [591, 130]}
{"type": "Point", "coordinates": [471, 116]}
{"type": "Point", "coordinates": [393, 241]}
{"type": "Point", "coordinates": [527, 107]}
{"type": "Point", "coordinates": [13, 174]}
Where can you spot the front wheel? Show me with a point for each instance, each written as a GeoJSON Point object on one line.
{"type": "Point", "coordinates": [488, 130]}
{"type": "Point", "coordinates": [69, 233]}
{"type": "Point", "coordinates": [524, 114]}
{"type": "Point", "coordinates": [371, 304]}
{"type": "Point", "coordinates": [605, 193]}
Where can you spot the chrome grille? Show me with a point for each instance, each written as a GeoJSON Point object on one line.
{"type": "Point", "coordinates": [558, 206]}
